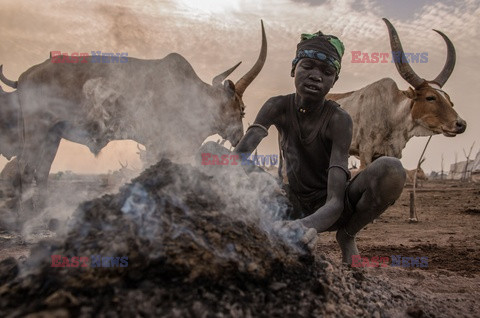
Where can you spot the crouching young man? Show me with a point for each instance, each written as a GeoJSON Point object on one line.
{"type": "Point", "coordinates": [315, 136]}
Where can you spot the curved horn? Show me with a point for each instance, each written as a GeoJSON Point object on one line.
{"type": "Point", "coordinates": [248, 78]}
{"type": "Point", "coordinates": [6, 81]}
{"type": "Point", "coordinates": [447, 70]}
{"type": "Point", "coordinates": [217, 80]}
{"type": "Point", "coordinates": [404, 69]}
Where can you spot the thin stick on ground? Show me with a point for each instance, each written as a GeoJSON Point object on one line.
{"type": "Point", "coordinates": [413, 208]}
{"type": "Point", "coordinates": [464, 175]}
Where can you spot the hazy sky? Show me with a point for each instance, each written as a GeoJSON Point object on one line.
{"type": "Point", "coordinates": [215, 34]}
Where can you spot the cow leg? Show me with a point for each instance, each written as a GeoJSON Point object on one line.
{"type": "Point", "coordinates": [370, 194]}
{"type": "Point", "coordinates": [38, 151]}
{"type": "Point", "coordinates": [365, 159]}
{"type": "Point", "coordinates": [363, 164]}
{"type": "Point", "coordinates": [19, 183]}
{"type": "Point", "coordinates": [49, 152]}
{"type": "Point", "coordinates": [23, 185]}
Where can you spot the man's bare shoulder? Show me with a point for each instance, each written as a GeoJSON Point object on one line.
{"type": "Point", "coordinates": [273, 110]}
{"type": "Point", "coordinates": [340, 116]}
{"type": "Point", "coordinates": [340, 127]}
{"type": "Point", "coordinates": [279, 102]}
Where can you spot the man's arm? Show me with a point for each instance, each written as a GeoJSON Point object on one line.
{"type": "Point", "coordinates": [339, 131]}
{"type": "Point", "coordinates": [268, 115]}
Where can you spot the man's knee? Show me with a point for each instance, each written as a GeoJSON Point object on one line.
{"type": "Point", "coordinates": [389, 169]}
{"type": "Point", "coordinates": [388, 177]}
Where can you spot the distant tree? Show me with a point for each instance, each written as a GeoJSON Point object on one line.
{"type": "Point", "coordinates": [455, 166]}
{"type": "Point", "coordinates": [464, 175]}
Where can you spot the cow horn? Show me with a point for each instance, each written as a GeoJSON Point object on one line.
{"type": "Point", "coordinates": [217, 80]}
{"type": "Point", "coordinates": [248, 78]}
{"type": "Point", "coordinates": [404, 69]}
{"type": "Point", "coordinates": [6, 81]}
{"type": "Point", "coordinates": [442, 78]}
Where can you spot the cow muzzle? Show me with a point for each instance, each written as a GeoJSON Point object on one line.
{"type": "Point", "coordinates": [459, 126]}
{"type": "Point", "coordinates": [234, 137]}
{"type": "Point", "coordinates": [234, 141]}
{"type": "Point", "coordinates": [233, 133]}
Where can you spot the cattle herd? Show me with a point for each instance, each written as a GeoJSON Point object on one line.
{"type": "Point", "coordinates": [164, 105]}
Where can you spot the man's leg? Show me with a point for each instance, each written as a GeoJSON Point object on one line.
{"type": "Point", "coordinates": [370, 194]}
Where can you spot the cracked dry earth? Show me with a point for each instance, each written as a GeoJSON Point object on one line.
{"type": "Point", "coordinates": [197, 248]}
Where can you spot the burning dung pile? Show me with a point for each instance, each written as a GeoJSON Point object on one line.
{"type": "Point", "coordinates": [197, 245]}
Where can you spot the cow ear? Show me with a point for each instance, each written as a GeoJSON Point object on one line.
{"type": "Point", "coordinates": [410, 93]}
{"type": "Point", "coordinates": [229, 87]}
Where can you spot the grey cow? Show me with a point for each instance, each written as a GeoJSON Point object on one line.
{"type": "Point", "coordinates": [161, 103]}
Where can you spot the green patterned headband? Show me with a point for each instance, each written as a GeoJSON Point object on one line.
{"type": "Point", "coordinates": [320, 46]}
{"type": "Point", "coordinates": [337, 44]}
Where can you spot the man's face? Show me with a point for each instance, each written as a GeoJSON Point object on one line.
{"type": "Point", "coordinates": [314, 78]}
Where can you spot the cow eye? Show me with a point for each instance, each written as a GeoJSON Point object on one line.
{"type": "Point", "coordinates": [430, 98]}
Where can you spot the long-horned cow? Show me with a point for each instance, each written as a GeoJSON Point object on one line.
{"type": "Point", "coordinates": [385, 118]}
{"type": "Point", "coordinates": [161, 104]}
{"type": "Point", "coordinates": [419, 172]}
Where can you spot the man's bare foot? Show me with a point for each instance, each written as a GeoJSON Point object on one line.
{"type": "Point", "coordinates": [347, 245]}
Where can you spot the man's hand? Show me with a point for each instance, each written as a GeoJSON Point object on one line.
{"type": "Point", "coordinates": [295, 232]}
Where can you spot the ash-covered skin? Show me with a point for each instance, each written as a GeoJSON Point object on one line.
{"type": "Point", "coordinates": [318, 174]}
{"type": "Point", "coordinates": [190, 254]}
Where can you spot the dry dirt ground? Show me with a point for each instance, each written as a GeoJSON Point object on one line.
{"type": "Point", "coordinates": [448, 233]}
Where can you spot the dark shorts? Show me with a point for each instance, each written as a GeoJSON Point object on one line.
{"type": "Point", "coordinates": [301, 207]}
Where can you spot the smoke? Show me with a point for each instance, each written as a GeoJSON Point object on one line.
{"type": "Point", "coordinates": [66, 191]}
{"type": "Point", "coordinates": [253, 191]}
{"type": "Point", "coordinates": [167, 108]}
{"type": "Point", "coordinates": [161, 104]}
{"type": "Point", "coordinates": [163, 206]}
{"type": "Point", "coordinates": [125, 28]}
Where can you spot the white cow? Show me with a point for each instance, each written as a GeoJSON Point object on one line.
{"type": "Point", "coordinates": [385, 117]}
